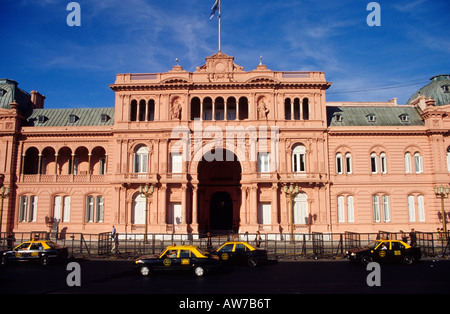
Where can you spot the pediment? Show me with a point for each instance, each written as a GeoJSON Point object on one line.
{"type": "Point", "coordinates": [220, 63]}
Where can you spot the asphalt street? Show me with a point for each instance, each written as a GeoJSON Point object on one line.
{"type": "Point", "coordinates": [285, 277]}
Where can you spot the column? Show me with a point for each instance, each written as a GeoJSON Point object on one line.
{"type": "Point", "coordinates": [194, 204]}
{"type": "Point", "coordinates": [183, 203]}
{"type": "Point", "coordinates": [163, 196]}
{"type": "Point", "coordinates": [243, 211]}
{"type": "Point", "coordinates": [274, 206]}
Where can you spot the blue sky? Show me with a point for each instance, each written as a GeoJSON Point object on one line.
{"type": "Point", "coordinates": [73, 66]}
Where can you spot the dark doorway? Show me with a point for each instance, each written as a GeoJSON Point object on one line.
{"type": "Point", "coordinates": [221, 211]}
{"type": "Point", "coordinates": [219, 197]}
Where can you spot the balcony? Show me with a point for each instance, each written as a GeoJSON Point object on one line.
{"type": "Point", "coordinates": [69, 178]}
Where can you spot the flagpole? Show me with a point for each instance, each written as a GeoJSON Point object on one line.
{"type": "Point", "coordinates": [219, 28]}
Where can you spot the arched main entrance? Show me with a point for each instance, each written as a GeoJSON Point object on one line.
{"type": "Point", "coordinates": [221, 211]}
{"type": "Point", "coordinates": [219, 191]}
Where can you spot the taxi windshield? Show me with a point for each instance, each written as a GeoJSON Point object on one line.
{"type": "Point", "coordinates": [52, 245]}
{"type": "Point", "coordinates": [372, 244]}
{"type": "Point", "coordinates": [202, 252]}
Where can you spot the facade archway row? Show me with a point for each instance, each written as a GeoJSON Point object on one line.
{"type": "Point", "coordinates": [64, 160]}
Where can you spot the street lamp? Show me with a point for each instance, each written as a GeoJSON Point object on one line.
{"type": "Point", "coordinates": [146, 192]}
{"type": "Point", "coordinates": [4, 193]}
{"type": "Point", "coordinates": [442, 192]}
{"type": "Point", "coordinates": [291, 191]}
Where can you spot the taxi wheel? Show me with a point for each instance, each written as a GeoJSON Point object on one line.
{"type": "Point", "coordinates": [408, 260]}
{"type": "Point", "coordinates": [199, 271]}
{"type": "Point", "coordinates": [366, 260]}
{"type": "Point", "coordinates": [144, 271]}
{"type": "Point", "coordinates": [44, 260]}
{"type": "Point", "coordinates": [252, 262]}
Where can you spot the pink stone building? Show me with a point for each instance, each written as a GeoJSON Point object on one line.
{"type": "Point", "coordinates": [216, 148]}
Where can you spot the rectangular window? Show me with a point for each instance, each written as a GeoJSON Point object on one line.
{"type": "Point", "coordinates": [264, 162]}
{"type": "Point", "coordinates": [386, 208]}
{"type": "Point", "coordinates": [23, 208]}
{"type": "Point", "coordinates": [376, 208]}
{"type": "Point", "coordinates": [176, 162]}
{"type": "Point", "coordinates": [90, 208]}
{"type": "Point", "coordinates": [94, 208]}
{"type": "Point", "coordinates": [407, 163]}
{"type": "Point", "coordinates": [421, 208]}
{"type": "Point", "coordinates": [350, 210]}
{"type": "Point", "coordinates": [341, 214]}
{"type": "Point", "coordinates": [411, 209]}
{"type": "Point", "coordinates": [99, 209]}
{"type": "Point", "coordinates": [264, 214]}
{"type": "Point", "coordinates": [174, 214]}
{"type": "Point", "coordinates": [61, 208]}
{"type": "Point", "coordinates": [66, 209]}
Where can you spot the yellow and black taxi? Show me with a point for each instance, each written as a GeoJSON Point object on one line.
{"type": "Point", "coordinates": [239, 252]}
{"type": "Point", "coordinates": [385, 251]}
{"type": "Point", "coordinates": [41, 251]}
{"type": "Point", "coordinates": [178, 258]}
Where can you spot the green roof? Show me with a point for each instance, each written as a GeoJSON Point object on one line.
{"type": "Point", "coordinates": [373, 116]}
{"type": "Point", "coordinates": [10, 92]}
{"type": "Point", "coordinates": [438, 89]}
{"type": "Point", "coordinates": [71, 117]}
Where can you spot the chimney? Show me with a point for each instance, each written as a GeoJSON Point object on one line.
{"type": "Point", "coordinates": [37, 99]}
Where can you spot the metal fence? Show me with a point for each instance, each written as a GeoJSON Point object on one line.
{"type": "Point", "coordinates": [309, 245]}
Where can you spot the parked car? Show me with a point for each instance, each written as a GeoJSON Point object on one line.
{"type": "Point", "coordinates": [42, 251]}
{"type": "Point", "coordinates": [238, 252]}
{"type": "Point", "coordinates": [178, 258]}
{"type": "Point", "coordinates": [385, 251]}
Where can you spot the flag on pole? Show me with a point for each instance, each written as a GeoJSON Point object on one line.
{"type": "Point", "coordinates": [213, 9]}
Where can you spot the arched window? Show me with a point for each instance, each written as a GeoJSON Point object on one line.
{"type": "Point", "coordinates": [348, 163]}
{"type": "Point", "coordinates": [339, 164]}
{"type": "Point", "coordinates": [207, 109]}
{"type": "Point", "coordinates": [418, 165]}
{"type": "Point", "coordinates": [151, 110]}
{"type": "Point", "coordinates": [219, 110]}
{"type": "Point", "coordinates": [305, 109]}
{"type": "Point", "coordinates": [301, 209]}
{"type": "Point", "coordinates": [287, 109]}
{"type": "Point", "coordinates": [231, 108]}
{"type": "Point", "coordinates": [195, 108]}
{"type": "Point", "coordinates": [408, 163]}
{"type": "Point", "coordinates": [298, 158]}
{"type": "Point", "coordinates": [243, 108]}
{"type": "Point", "coordinates": [141, 159]}
{"type": "Point", "coordinates": [133, 110]}
{"type": "Point", "coordinates": [345, 208]}
{"type": "Point", "coordinates": [296, 109]}
{"type": "Point", "coordinates": [383, 163]}
{"type": "Point", "coordinates": [373, 163]}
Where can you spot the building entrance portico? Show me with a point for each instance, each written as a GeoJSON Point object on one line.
{"type": "Point", "coordinates": [219, 192]}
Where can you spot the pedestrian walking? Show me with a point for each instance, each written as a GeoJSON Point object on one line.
{"type": "Point", "coordinates": [412, 238]}
{"type": "Point", "coordinates": [258, 239]}
{"type": "Point", "coordinates": [403, 236]}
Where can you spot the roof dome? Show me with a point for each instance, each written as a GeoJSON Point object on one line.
{"type": "Point", "coordinates": [438, 89]}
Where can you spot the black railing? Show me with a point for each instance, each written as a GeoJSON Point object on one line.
{"type": "Point", "coordinates": [313, 245]}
